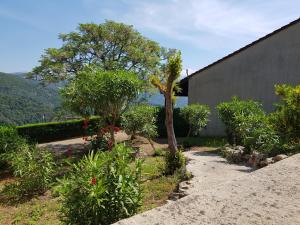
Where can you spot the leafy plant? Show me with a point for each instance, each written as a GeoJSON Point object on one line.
{"type": "Point", "coordinates": [286, 118]}
{"type": "Point", "coordinates": [10, 141]}
{"type": "Point", "coordinates": [174, 162]}
{"type": "Point", "coordinates": [231, 113]}
{"type": "Point", "coordinates": [102, 93]}
{"type": "Point", "coordinates": [196, 116]}
{"type": "Point", "coordinates": [34, 169]}
{"type": "Point", "coordinates": [140, 119]}
{"type": "Point", "coordinates": [102, 188]}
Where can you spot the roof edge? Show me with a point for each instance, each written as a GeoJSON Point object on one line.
{"type": "Point", "coordinates": [244, 48]}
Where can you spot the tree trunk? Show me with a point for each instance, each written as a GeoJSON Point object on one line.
{"type": "Point", "coordinates": [169, 121]}
{"type": "Point", "coordinates": [190, 130]}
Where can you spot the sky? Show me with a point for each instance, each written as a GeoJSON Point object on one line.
{"type": "Point", "coordinates": [204, 30]}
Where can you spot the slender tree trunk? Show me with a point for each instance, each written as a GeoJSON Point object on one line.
{"type": "Point", "coordinates": [190, 130]}
{"type": "Point", "coordinates": [151, 143]}
{"type": "Point", "coordinates": [169, 121]}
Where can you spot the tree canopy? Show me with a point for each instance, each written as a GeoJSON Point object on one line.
{"type": "Point", "coordinates": [110, 46]}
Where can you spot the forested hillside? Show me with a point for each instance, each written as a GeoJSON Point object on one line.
{"type": "Point", "coordinates": [25, 101]}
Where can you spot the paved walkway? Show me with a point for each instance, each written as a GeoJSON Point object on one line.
{"type": "Point", "coordinates": [226, 194]}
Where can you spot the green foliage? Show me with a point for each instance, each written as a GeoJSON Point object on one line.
{"type": "Point", "coordinates": [54, 131]}
{"type": "Point", "coordinates": [103, 93]}
{"type": "Point", "coordinates": [34, 168]}
{"type": "Point", "coordinates": [25, 101]}
{"type": "Point", "coordinates": [102, 188]}
{"type": "Point", "coordinates": [159, 152]}
{"type": "Point", "coordinates": [140, 119]}
{"type": "Point", "coordinates": [181, 127]}
{"type": "Point", "coordinates": [174, 162]}
{"type": "Point", "coordinates": [257, 133]}
{"type": "Point", "coordinates": [232, 112]}
{"type": "Point", "coordinates": [111, 46]}
{"type": "Point", "coordinates": [10, 141]}
{"type": "Point", "coordinates": [286, 118]}
{"type": "Point", "coordinates": [246, 124]}
{"type": "Point", "coordinates": [196, 116]}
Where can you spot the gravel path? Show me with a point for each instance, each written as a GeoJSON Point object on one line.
{"type": "Point", "coordinates": [222, 193]}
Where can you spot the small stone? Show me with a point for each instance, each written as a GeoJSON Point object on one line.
{"type": "Point", "coordinates": [279, 157]}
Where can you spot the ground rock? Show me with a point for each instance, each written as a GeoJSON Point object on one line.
{"type": "Point", "coordinates": [256, 158]}
{"type": "Point", "coordinates": [266, 162]}
{"type": "Point", "coordinates": [279, 157]}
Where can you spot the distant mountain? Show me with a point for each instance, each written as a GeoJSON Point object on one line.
{"type": "Point", "coordinates": [26, 101]}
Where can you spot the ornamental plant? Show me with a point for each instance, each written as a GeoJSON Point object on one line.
{"type": "Point", "coordinates": [232, 113]}
{"type": "Point", "coordinates": [141, 120]}
{"type": "Point", "coordinates": [196, 116]}
{"type": "Point", "coordinates": [102, 93]}
{"type": "Point", "coordinates": [286, 117]}
{"type": "Point", "coordinates": [102, 188]}
{"type": "Point", "coordinates": [34, 168]}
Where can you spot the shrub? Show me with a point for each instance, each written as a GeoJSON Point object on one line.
{"type": "Point", "coordinates": [175, 162]}
{"type": "Point", "coordinates": [34, 168]}
{"type": "Point", "coordinates": [196, 116]}
{"type": "Point", "coordinates": [10, 141]}
{"type": "Point", "coordinates": [54, 131]}
{"type": "Point", "coordinates": [140, 119]}
{"type": "Point", "coordinates": [286, 118]}
{"type": "Point", "coordinates": [102, 188]}
{"type": "Point", "coordinates": [257, 133]}
{"type": "Point", "coordinates": [181, 127]}
{"type": "Point", "coordinates": [234, 113]}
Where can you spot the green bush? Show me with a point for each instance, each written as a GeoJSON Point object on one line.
{"type": "Point", "coordinates": [34, 168]}
{"type": "Point", "coordinates": [102, 188]}
{"type": "Point", "coordinates": [140, 119]}
{"type": "Point", "coordinates": [10, 141]}
{"type": "Point", "coordinates": [246, 124]}
{"type": "Point", "coordinates": [175, 162]}
{"type": "Point", "coordinates": [181, 127]}
{"type": "Point", "coordinates": [234, 113]}
{"type": "Point", "coordinates": [196, 116]}
{"type": "Point", "coordinates": [286, 118]}
{"type": "Point", "coordinates": [54, 131]}
{"type": "Point", "coordinates": [257, 133]}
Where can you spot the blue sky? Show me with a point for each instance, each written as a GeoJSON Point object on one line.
{"type": "Point", "coordinates": [204, 30]}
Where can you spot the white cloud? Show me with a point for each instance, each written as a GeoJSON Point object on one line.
{"type": "Point", "coordinates": [207, 24]}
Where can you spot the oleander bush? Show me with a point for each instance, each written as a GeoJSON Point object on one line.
{"type": "Point", "coordinates": [247, 124]}
{"type": "Point", "coordinates": [196, 115]}
{"type": "Point", "coordinates": [286, 117]}
{"type": "Point", "coordinates": [10, 141]}
{"type": "Point", "coordinates": [234, 113]}
{"type": "Point", "coordinates": [34, 169]}
{"type": "Point", "coordinates": [102, 188]}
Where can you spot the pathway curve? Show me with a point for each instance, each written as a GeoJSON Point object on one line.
{"type": "Point", "coordinates": [222, 193]}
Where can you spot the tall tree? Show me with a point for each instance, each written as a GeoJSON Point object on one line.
{"type": "Point", "coordinates": [166, 83]}
{"type": "Point", "coordinates": [110, 46]}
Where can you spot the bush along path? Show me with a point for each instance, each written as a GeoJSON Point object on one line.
{"type": "Point", "coordinates": [222, 193]}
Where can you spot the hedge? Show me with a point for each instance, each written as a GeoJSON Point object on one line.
{"type": "Point", "coordinates": [181, 127]}
{"type": "Point", "coordinates": [54, 131]}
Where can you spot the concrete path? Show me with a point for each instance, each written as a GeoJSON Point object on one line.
{"type": "Point", "coordinates": [225, 194]}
